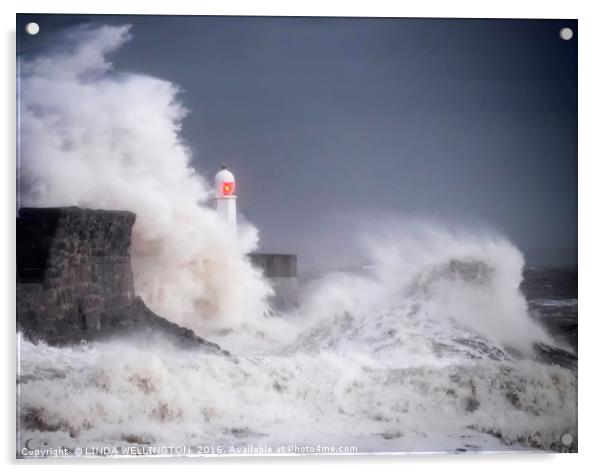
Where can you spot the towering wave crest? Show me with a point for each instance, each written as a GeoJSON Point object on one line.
{"type": "Point", "coordinates": [98, 138]}
{"type": "Point", "coordinates": [465, 280]}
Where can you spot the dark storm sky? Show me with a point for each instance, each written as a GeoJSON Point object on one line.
{"type": "Point", "coordinates": [464, 120]}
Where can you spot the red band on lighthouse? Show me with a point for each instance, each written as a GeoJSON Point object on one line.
{"type": "Point", "coordinates": [228, 188]}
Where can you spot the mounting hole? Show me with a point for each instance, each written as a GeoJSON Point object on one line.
{"type": "Point", "coordinates": [566, 439]}
{"type": "Point", "coordinates": [32, 28]}
{"type": "Point", "coordinates": [566, 33]}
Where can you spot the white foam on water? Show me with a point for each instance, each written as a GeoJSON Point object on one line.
{"type": "Point", "coordinates": [117, 394]}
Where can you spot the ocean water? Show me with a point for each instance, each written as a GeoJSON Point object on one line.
{"type": "Point", "coordinates": [362, 366]}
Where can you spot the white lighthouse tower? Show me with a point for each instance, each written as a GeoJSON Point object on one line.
{"type": "Point", "coordinates": [225, 185]}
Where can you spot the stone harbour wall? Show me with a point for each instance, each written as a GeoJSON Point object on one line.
{"type": "Point", "coordinates": [75, 282]}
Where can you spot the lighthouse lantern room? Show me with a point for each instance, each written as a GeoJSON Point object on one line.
{"type": "Point", "coordinates": [225, 186]}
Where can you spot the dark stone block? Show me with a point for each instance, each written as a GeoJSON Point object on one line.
{"type": "Point", "coordinates": [75, 282]}
{"type": "Point", "coordinates": [281, 270]}
{"type": "Point", "coordinates": [275, 265]}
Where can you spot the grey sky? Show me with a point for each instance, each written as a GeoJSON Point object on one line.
{"type": "Point", "coordinates": [465, 120]}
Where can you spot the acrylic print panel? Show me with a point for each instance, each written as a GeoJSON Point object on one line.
{"type": "Point", "coordinates": [270, 235]}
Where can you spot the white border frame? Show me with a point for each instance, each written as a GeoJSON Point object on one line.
{"type": "Point", "coordinates": [590, 208]}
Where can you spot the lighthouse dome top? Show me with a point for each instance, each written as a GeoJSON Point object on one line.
{"type": "Point", "coordinates": [225, 184]}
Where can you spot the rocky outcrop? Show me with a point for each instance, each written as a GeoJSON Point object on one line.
{"type": "Point", "coordinates": [75, 281]}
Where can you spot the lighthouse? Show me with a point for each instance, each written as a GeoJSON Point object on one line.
{"type": "Point", "coordinates": [279, 268]}
{"type": "Point", "coordinates": [225, 185]}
